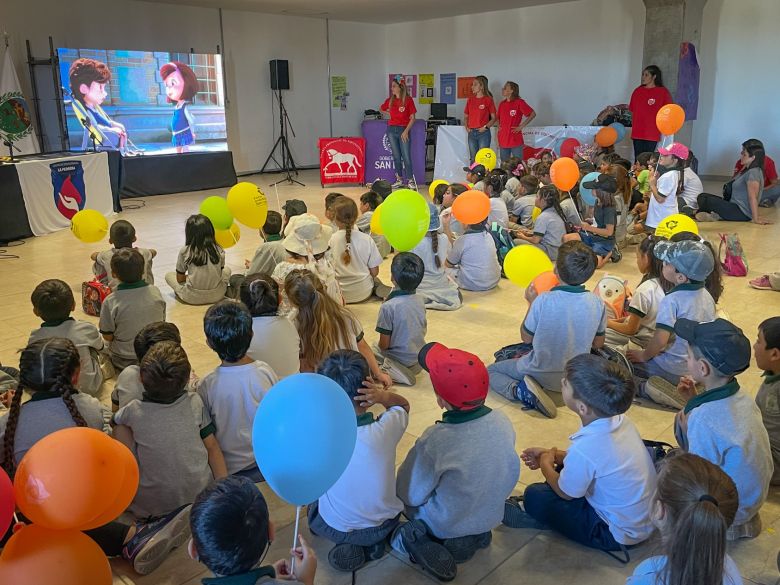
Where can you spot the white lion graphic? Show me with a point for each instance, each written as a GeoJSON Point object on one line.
{"type": "Point", "coordinates": [340, 158]}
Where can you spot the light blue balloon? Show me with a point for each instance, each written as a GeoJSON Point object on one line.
{"type": "Point", "coordinates": [303, 436]}
{"type": "Point", "coordinates": [587, 194]}
{"type": "Point", "coordinates": [620, 129]}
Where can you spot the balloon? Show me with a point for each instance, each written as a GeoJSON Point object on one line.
{"type": "Point", "coordinates": [524, 263]}
{"type": "Point", "coordinates": [620, 129]}
{"type": "Point", "coordinates": [89, 226]}
{"type": "Point", "coordinates": [248, 204]}
{"type": "Point", "coordinates": [535, 213]}
{"type": "Point", "coordinates": [434, 184]}
{"type": "Point", "coordinates": [404, 219]}
{"type": "Point", "coordinates": [471, 207]}
{"type": "Point", "coordinates": [228, 238]}
{"type": "Point", "coordinates": [607, 136]}
{"type": "Point", "coordinates": [216, 209]}
{"type": "Point", "coordinates": [37, 555]}
{"type": "Point", "coordinates": [674, 224]}
{"type": "Point", "coordinates": [376, 222]}
{"type": "Point", "coordinates": [564, 173]}
{"type": "Point", "coordinates": [7, 502]}
{"type": "Point", "coordinates": [587, 195]}
{"type": "Point", "coordinates": [568, 146]}
{"type": "Point", "coordinates": [69, 478]}
{"type": "Point", "coordinates": [302, 446]}
{"type": "Point", "coordinates": [545, 282]}
{"type": "Point", "coordinates": [127, 467]}
{"type": "Point", "coordinates": [670, 118]}
{"type": "Point", "coordinates": [486, 157]}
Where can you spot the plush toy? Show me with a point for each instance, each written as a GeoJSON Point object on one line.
{"type": "Point", "coordinates": [616, 295]}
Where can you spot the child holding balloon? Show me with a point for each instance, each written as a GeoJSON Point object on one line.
{"type": "Point", "coordinates": [437, 290]}
{"type": "Point", "coordinates": [666, 184]}
{"type": "Point", "coordinates": [472, 260]}
{"type": "Point", "coordinates": [600, 236]}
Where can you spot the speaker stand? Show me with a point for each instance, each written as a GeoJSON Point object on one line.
{"type": "Point", "coordinates": [287, 165]}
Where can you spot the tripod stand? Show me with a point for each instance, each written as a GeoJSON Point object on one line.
{"type": "Point", "coordinates": [288, 164]}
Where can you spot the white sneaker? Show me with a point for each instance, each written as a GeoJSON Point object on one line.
{"type": "Point", "coordinates": [664, 393]}
{"type": "Point", "coordinates": [398, 373]}
{"type": "Point", "coordinates": [412, 184]}
{"type": "Point", "coordinates": [398, 183]}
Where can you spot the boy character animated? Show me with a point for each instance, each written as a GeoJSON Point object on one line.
{"type": "Point", "coordinates": [181, 85]}
{"type": "Point", "coordinates": [88, 79]}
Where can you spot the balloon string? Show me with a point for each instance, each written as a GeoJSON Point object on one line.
{"type": "Point", "coordinates": [575, 205]}
{"type": "Point", "coordinates": [278, 201]}
{"type": "Point", "coordinates": [295, 537]}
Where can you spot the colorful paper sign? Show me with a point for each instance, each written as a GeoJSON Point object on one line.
{"type": "Point", "coordinates": [464, 87]}
{"type": "Point", "coordinates": [447, 88]}
{"type": "Point", "coordinates": [426, 88]}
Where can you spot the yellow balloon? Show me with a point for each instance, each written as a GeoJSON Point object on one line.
{"type": "Point", "coordinates": [89, 226]}
{"type": "Point", "coordinates": [535, 213]}
{"type": "Point", "coordinates": [376, 223]}
{"type": "Point", "coordinates": [434, 184]}
{"type": "Point", "coordinates": [524, 263]}
{"type": "Point", "coordinates": [675, 224]}
{"type": "Point", "coordinates": [228, 238]}
{"type": "Point", "coordinates": [248, 204]}
{"type": "Point", "coordinates": [486, 157]}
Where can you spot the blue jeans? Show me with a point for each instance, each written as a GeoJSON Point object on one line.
{"type": "Point", "coordinates": [477, 141]}
{"type": "Point", "coordinates": [507, 153]}
{"type": "Point", "coordinates": [364, 537]}
{"type": "Point", "coordinates": [402, 152]}
{"type": "Point", "coordinates": [600, 247]}
{"type": "Point", "coordinates": [772, 194]}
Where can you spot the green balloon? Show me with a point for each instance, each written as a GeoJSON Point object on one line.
{"type": "Point", "coordinates": [405, 219]}
{"type": "Point", "coordinates": [216, 209]}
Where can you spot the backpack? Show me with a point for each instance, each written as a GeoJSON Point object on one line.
{"type": "Point", "coordinates": [735, 263]}
{"type": "Point", "coordinates": [503, 241]}
{"type": "Point", "coordinates": [93, 293]}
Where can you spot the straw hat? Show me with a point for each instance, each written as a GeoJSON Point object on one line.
{"type": "Point", "coordinates": [306, 235]}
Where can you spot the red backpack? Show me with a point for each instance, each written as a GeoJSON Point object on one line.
{"type": "Point", "coordinates": [93, 293]}
{"type": "Point", "coordinates": [735, 263]}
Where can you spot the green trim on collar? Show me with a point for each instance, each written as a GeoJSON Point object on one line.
{"type": "Point", "coordinates": [365, 419]}
{"type": "Point", "coordinates": [56, 322]}
{"type": "Point", "coordinates": [637, 312]}
{"type": "Point", "coordinates": [145, 398]}
{"type": "Point", "coordinates": [248, 578]}
{"type": "Point", "coordinates": [274, 238]}
{"type": "Point", "coordinates": [399, 293]}
{"type": "Point", "coordinates": [44, 395]}
{"type": "Point", "coordinates": [692, 285]}
{"type": "Point", "coordinates": [456, 417]}
{"type": "Point", "coordinates": [712, 395]}
{"type": "Point", "coordinates": [570, 288]}
{"type": "Point", "coordinates": [131, 285]}
{"type": "Point", "coordinates": [770, 378]}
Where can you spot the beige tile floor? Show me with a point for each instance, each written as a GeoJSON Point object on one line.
{"type": "Point", "coordinates": [486, 321]}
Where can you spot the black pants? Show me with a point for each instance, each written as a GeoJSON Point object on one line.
{"type": "Point", "coordinates": [641, 146]}
{"type": "Point", "coordinates": [727, 210]}
{"type": "Point", "coordinates": [636, 197]}
{"type": "Point", "coordinates": [110, 537]}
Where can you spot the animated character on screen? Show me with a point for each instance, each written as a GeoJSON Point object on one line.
{"type": "Point", "coordinates": [88, 79]}
{"type": "Point", "coordinates": [181, 85]}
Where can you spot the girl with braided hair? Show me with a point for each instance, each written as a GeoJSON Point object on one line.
{"type": "Point", "coordinates": [437, 290]}
{"type": "Point", "coordinates": [550, 226]}
{"type": "Point", "coordinates": [354, 256]}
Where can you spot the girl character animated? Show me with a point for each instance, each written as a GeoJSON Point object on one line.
{"type": "Point", "coordinates": [181, 85]}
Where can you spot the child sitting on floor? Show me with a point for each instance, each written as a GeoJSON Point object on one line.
{"type": "Point", "coordinates": [472, 259]}
{"type": "Point", "coordinates": [767, 351]}
{"type": "Point", "coordinates": [271, 251]}
{"type": "Point", "coordinates": [449, 223]}
{"type": "Point", "coordinates": [549, 228]}
{"type": "Point", "coordinates": [121, 235]}
{"type": "Point", "coordinates": [522, 209]}
{"type": "Point", "coordinates": [369, 201]}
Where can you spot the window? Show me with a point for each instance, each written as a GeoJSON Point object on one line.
{"type": "Point", "coordinates": [208, 70]}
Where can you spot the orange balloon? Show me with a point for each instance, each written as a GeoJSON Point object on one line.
{"type": "Point", "coordinates": [544, 282]}
{"type": "Point", "coordinates": [127, 468]}
{"type": "Point", "coordinates": [37, 555]}
{"type": "Point", "coordinates": [607, 136]}
{"type": "Point", "coordinates": [471, 207]}
{"type": "Point", "coordinates": [670, 118]}
{"type": "Point", "coordinates": [565, 173]}
{"type": "Point", "coordinates": [70, 478]}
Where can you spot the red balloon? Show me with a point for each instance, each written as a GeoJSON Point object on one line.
{"type": "Point", "coordinates": [7, 502]}
{"type": "Point", "coordinates": [564, 173]}
{"type": "Point", "coordinates": [607, 136]}
{"type": "Point", "coordinates": [568, 146]}
{"type": "Point", "coordinates": [471, 207]}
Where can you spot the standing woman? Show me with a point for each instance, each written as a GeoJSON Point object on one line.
{"type": "Point", "coordinates": [479, 115]}
{"type": "Point", "coordinates": [514, 114]}
{"type": "Point", "coordinates": [645, 102]}
{"type": "Point", "coordinates": [402, 110]}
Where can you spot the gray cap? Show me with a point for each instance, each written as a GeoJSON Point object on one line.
{"type": "Point", "coordinates": [692, 258]}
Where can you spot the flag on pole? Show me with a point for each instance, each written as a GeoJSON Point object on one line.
{"type": "Point", "coordinates": [15, 119]}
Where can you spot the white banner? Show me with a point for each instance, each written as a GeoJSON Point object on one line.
{"type": "Point", "coordinates": [17, 121]}
{"type": "Point", "coordinates": [54, 190]}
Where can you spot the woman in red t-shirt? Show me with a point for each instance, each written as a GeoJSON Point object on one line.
{"type": "Point", "coordinates": [645, 102]}
{"type": "Point", "coordinates": [401, 109]}
{"type": "Point", "coordinates": [514, 114]}
{"type": "Point", "coordinates": [479, 115]}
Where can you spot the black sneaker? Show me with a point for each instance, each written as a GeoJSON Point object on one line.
{"type": "Point", "coordinates": [430, 555]}
{"type": "Point", "coordinates": [516, 517]}
{"type": "Point", "coordinates": [532, 395]}
{"type": "Point", "coordinates": [616, 255]}
{"type": "Point", "coordinates": [347, 557]}
{"type": "Point", "coordinates": [153, 541]}
{"type": "Point", "coordinates": [464, 547]}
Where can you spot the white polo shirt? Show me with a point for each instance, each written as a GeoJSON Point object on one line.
{"type": "Point", "coordinates": [609, 466]}
{"type": "Point", "coordinates": [355, 280]}
{"type": "Point", "coordinates": [667, 187]}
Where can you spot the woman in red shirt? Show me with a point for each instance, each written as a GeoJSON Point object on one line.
{"type": "Point", "coordinates": [479, 115]}
{"type": "Point", "coordinates": [514, 114]}
{"type": "Point", "coordinates": [645, 102]}
{"type": "Point", "coordinates": [401, 109]}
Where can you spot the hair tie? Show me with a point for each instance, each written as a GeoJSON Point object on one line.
{"type": "Point", "coordinates": [708, 498]}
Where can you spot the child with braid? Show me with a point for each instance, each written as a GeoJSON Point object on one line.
{"type": "Point", "coordinates": [355, 256]}
{"type": "Point", "coordinates": [550, 226]}
{"type": "Point", "coordinates": [437, 290]}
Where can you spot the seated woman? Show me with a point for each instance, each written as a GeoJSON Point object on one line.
{"type": "Point", "coordinates": [771, 191]}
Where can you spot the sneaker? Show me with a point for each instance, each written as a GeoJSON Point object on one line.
{"type": "Point", "coordinates": [766, 203]}
{"type": "Point", "coordinates": [154, 540]}
{"type": "Point", "coordinates": [398, 183]}
{"type": "Point", "coordinates": [688, 210]}
{"type": "Point", "coordinates": [381, 289]}
{"type": "Point", "coordinates": [749, 529]}
{"type": "Point", "coordinates": [515, 515]}
{"type": "Point", "coordinates": [761, 283]}
{"type": "Point", "coordinates": [613, 355]}
{"type": "Point", "coordinates": [412, 184]}
{"type": "Point", "coordinates": [347, 557]}
{"type": "Point", "coordinates": [398, 373]}
{"type": "Point", "coordinates": [464, 547]}
{"type": "Point", "coordinates": [616, 255]}
{"type": "Point", "coordinates": [663, 392]}
{"type": "Point", "coordinates": [532, 395]}
{"type": "Point", "coordinates": [430, 555]}
{"type": "Point", "coordinates": [707, 216]}
{"type": "Point", "coordinates": [632, 239]}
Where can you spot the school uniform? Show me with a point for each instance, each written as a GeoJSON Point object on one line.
{"type": "Point", "coordinates": [321, 268]}
{"type": "Point", "coordinates": [101, 268]}
{"type": "Point", "coordinates": [563, 323]}
{"type": "Point", "coordinates": [474, 254]}
{"type": "Point", "coordinates": [130, 308]}
{"type": "Point", "coordinates": [498, 212]}
{"type": "Point", "coordinates": [261, 576]}
{"type": "Point", "coordinates": [172, 459]}
{"type": "Point", "coordinates": [204, 285]}
{"type": "Point", "coordinates": [402, 317]}
{"type": "Point", "coordinates": [523, 210]}
{"type": "Point", "coordinates": [651, 572]}
{"type": "Point", "coordinates": [354, 278]}
{"type": "Point", "coordinates": [644, 304]}
{"type": "Point", "coordinates": [570, 212]}
{"type": "Point", "coordinates": [275, 341]}
{"type": "Point", "coordinates": [551, 228]}
{"type": "Point", "coordinates": [667, 188]}
{"type": "Point", "coordinates": [128, 386]}
{"type": "Point", "coordinates": [88, 341]}
{"type": "Point", "coordinates": [768, 402]}
{"type": "Point", "coordinates": [456, 227]}
{"type": "Point", "coordinates": [267, 256]}
{"type": "Point", "coordinates": [364, 225]}
{"type": "Point", "coordinates": [437, 290]}
{"type": "Point", "coordinates": [231, 395]}
{"type": "Point", "coordinates": [692, 188]}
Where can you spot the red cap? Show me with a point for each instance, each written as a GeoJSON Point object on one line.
{"type": "Point", "coordinates": [459, 377]}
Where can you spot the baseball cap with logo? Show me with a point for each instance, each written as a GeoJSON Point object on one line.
{"type": "Point", "coordinates": [722, 343]}
{"type": "Point", "coordinates": [675, 149]}
{"type": "Point", "coordinates": [459, 377]}
{"type": "Point", "coordinates": [603, 182]}
{"type": "Point", "coordinates": [690, 257]}
{"type": "Point", "coordinates": [477, 169]}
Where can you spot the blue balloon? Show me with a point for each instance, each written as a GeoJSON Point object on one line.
{"type": "Point", "coordinates": [303, 436]}
{"type": "Point", "coordinates": [587, 195]}
{"type": "Point", "coordinates": [620, 129]}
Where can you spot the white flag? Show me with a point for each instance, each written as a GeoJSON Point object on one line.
{"type": "Point", "coordinates": [15, 118]}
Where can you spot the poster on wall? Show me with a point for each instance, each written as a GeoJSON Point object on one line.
{"type": "Point", "coordinates": [426, 88]}
{"type": "Point", "coordinates": [338, 91]}
{"type": "Point", "coordinates": [688, 81]}
{"type": "Point", "coordinates": [342, 161]}
{"type": "Point", "coordinates": [447, 87]}
{"type": "Point", "coordinates": [411, 83]}
{"type": "Point", "coordinates": [464, 87]}
{"type": "Point", "coordinates": [140, 102]}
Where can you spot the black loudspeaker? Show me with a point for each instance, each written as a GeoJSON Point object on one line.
{"type": "Point", "coordinates": [280, 74]}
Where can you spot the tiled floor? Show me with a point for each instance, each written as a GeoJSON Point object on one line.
{"type": "Point", "coordinates": [486, 321]}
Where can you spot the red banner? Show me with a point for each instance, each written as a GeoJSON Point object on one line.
{"type": "Point", "coordinates": [342, 160]}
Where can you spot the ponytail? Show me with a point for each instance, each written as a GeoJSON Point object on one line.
{"type": "Point", "coordinates": [346, 257]}
{"type": "Point", "coordinates": [345, 213]}
{"type": "Point", "coordinates": [435, 247]}
{"type": "Point", "coordinates": [550, 197]}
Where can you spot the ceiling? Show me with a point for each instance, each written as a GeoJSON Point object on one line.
{"type": "Point", "coordinates": [374, 11]}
